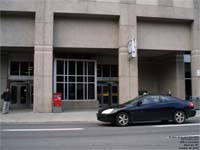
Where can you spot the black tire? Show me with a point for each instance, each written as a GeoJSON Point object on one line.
{"type": "Point", "coordinates": [122, 119]}
{"type": "Point", "coordinates": [179, 117]}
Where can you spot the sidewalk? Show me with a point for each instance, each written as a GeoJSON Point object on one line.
{"type": "Point", "coordinates": [27, 116]}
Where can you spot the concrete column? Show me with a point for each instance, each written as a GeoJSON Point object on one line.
{"type": "Point", "coordinates": [3, 73]}
{"type": "Point", "coordinates": [43, 59]}
{"type": "Point", "coordinates": [128, 68]}
{"type": "Point", "coordinates": [195, 65]}
{"type": "Point", "coordinates": [180, 76]}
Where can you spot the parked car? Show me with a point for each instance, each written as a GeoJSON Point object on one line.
{"type": "Point", "coordinates": [148, 108]}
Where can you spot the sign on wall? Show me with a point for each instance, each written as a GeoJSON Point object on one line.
{"type": "Point", "coordinates": [198, 72]}
{"type": "Point", "coordinates": [132, 48]}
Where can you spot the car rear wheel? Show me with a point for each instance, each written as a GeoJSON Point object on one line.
{"type": "Point", "coordinates": [122, 119]}
{"type": "Point", "coordinates": [179, 117]}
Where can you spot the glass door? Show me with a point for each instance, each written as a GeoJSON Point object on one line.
{"type": "Point", "coordinates": [20, 95]}
{"type": "Point", "coordinates": [107, 94]}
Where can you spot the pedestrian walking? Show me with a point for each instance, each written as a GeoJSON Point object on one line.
{"type": "Point", "coordinates": [6, 103]}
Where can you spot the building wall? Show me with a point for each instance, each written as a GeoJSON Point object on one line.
{"type": "Point", "coordinates": [18, 30]}
{"type": "Point", "coordinates": [79, 32]}
{"type": "Point", "coordinates": [128, 12]}
{"type": "Point", "coordinates": [164, 35]}
{"type": "Point", "coordinates": [148, 78]}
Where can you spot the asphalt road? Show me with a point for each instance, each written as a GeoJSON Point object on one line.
{"type": "Point", "coordinates": [100, 136]}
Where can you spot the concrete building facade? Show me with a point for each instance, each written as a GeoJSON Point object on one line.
{"type": "Point", "coordinates": [80, 48]}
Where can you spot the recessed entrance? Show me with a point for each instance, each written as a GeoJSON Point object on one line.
{"type": "Point", "coordinates": [21, 94]}
{"type": "Point", "coordinates": [161, 71]}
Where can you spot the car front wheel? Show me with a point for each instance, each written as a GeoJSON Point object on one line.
{"type": "Point", "coordinates": [179, 117]}
{"type": "Point", "coordinates": [122, 119]}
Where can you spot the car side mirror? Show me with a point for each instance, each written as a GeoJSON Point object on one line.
{"type": "Point", "coordinates": [139, 103]}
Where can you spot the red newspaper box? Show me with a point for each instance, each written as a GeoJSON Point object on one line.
{"type": "Point", "coordinates": [57, 102]}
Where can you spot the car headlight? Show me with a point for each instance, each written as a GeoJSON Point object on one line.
{"type": "Point", "coordinates": [109, 111]}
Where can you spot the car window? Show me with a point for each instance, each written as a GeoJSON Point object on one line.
{"type": "Point", "coordinates": [166, 98]}
{"type": "Point", "coordinates": [150, 99]}
{"type": "Point", "coordinates": [133, 101]}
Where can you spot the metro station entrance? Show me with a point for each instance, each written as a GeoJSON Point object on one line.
{"type": "Point", "coordinates": [107, 93]}
{"type": "Point", "coordinates": [21, 94]}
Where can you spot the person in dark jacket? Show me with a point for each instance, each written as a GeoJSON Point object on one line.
{"type": "Point", "coordinates": [6, 103]}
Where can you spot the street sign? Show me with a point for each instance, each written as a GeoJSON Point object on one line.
{"type": "Point", "coordinates": [132, 48]}
{"type": "Point", "coordinates": [198, 73]}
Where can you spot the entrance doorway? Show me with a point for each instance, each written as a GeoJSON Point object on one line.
{"type": "Point", "coordinates": [107, 93]}
{"type": "Point", "coordinates": [21, 94]}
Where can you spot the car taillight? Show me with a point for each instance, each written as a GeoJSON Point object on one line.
{"type": "Point", "coordinates": [191, 105]}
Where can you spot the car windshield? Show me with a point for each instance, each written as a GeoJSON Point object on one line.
{"type": "Point", "coordinates": [133, 101]}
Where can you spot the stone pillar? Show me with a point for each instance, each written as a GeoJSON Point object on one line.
{"type": "Point", "coordinates": [128, 68]}
{"type": "Point", "coordinates": [3, 74]}
{"type": "Point", "coordinates": [195, 65]}
{"type": "Point", "coordinates": [180, 76]}
{"type": "Point", "coordinates": [43, 59]}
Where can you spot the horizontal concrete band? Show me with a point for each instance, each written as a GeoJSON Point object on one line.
{"type": "Point", "coordinates": [195, 52]}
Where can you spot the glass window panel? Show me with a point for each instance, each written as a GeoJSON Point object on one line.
{"type": "Point", "coordinates": [71, 78]}
{"type": "Point", "coordinates": [106, 70]}
{"type": "Point", "coordinates": [14, 68]}
{"type": "Point", "coordinates": [79, 91]}
{"type": "Point", "coordinates": [23, 94]}
{"type": "Point", "coordinates": [31, 94]}
{"type": "Point", "coordinates": [71, 68]}
{"type": "Point", "coordinates": [114, 99]}
{"type": "Point", "coordinates": [79, 79]}
{"type": "Point", "coordinates": [14, 94]}
{"type": "Point", "coordinates": [86, 91]}
{"type": "Point", "coordinates": [90, 68]}
{"type": "Point", "coordinates": [86, 68]}
{"type": "Point", "coordinates": [114, 71]}
{"type": "Point", "coordinates": [99, 94]}
{"type": "Point", "coordinates": [79, 68]}
{"type": "Point", "coordinates": [66, 79]}
{"type": "Point", "coordinates": [71, 91]}
{"type": "Point", "coordinates": [91, 91]}
{"type": "Point", "coordinates": [60, 67]}
{"type": "Point", "coordinates": [59, 79]}
{"type": "Point", "coordinates": [114, 89]}
{"type": "Point", "coordinates": [66, 91]}
{"type": "Point", "coordinates": [24, 68]}
{"type": "Point", "coordinates": [90, 79]}
{"type": "Point", "coordinates": [99, 74]}
{"type": "Point", "coordinates": [31, 69]}
{"type": "Point", "coordinates": [66, 68]}
{"type": "Point", "coordinates": [60, 89]}
{"type": "Point", "coordinates": [105, 99]}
